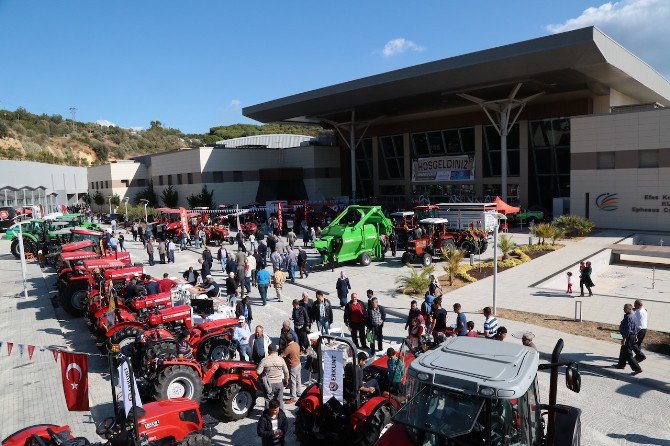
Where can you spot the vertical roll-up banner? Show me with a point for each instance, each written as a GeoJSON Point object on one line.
{"type": "Point", "coordinates": [124, 379]}
{"type": "Point", "coordinates": [333, 375]}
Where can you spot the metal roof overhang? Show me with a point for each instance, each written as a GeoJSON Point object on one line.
{"type": "Point", "coordinates": [584, 59]}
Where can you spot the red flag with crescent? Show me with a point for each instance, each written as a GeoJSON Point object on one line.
{"type": "Point", "coordinates": [74, 372]}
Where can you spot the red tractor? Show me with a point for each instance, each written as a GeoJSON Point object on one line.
{"type": "Point", "coordinates": [78, 269]}
{"type": "Point", "coordinates": [232, 385]}
{"type": "Point", "coordinates": [435, 236]}
{"type": "Point", "coordinates": [170, 422]}
{"type": "Point", "coordinates": [354, 418]}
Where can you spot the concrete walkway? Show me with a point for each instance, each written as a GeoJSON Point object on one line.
{"type": "Point", "coordinates": [515, 291]}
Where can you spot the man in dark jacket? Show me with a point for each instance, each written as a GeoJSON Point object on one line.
{"type": "Point", "coordinates": [191, 276]}
{"type": "Point", "coordinates": [152, 286]}
{"type": "Point", "coordinates": [374, 320]}
{"type": "Point", "coordinates": [207, 257]}
{"type": "Point", "coordinates": [205, 268]}
{"type": "Point", "coordinates": [231, 265]}
{"type": "Point", "coordinates": [272, 425]}
{"type": "Point", "coordinates": [262, 249]}
{"type": "Point", "coordinates": [307, 303]}
{"type": "Point", "coordinates": [628, 329]}
{"type": "Point", "coordinates": [322, 313]}
{"type": "Point", "coordinates": [286, 335]}
{"type": "Point", "coordinates": [243, 308]}
{"type": "Point", "coordinates": [354, 318]}
{"type": "Point", "coordinates": [300, 318]}
{"type": "Point", "coordinates": [302, 262]}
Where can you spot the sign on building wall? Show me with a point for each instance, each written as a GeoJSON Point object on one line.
{"type": "Point", "coordinates": [443, 168]}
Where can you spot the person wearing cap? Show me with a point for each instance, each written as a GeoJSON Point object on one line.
{"type": "Point", "coordinates": [527, 340]}
{"type": "Point", "coordinates": [210, 287]}
{"type": "Point", "coordinates": [241, 335]}
{"type": "Point", "coordinates": [276, 374]}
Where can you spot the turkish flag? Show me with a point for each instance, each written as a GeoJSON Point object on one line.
{"type": "Point", "coordinates": [74, 372]}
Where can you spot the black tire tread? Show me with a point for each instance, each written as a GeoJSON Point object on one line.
{"type": "Point", "coordinates": [195, 439]}
{"type": "Point", "coordinates": [167, 374]}
{"type": "Point", "coordinates": [225, 408]}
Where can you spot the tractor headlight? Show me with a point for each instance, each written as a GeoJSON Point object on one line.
{"type": "Point", "coordinates": [116, 348]}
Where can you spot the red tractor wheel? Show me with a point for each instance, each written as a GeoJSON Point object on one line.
{"type": "Point", "coordinates": [426, 259]}
{"type": "Point", "coordinates": [74, 298]}
{"type": "Point", "coordinates": [178, 382]}
{"type": "Point", "coordinates": [373, 427]}
{"type": "Point", "coordinates": [236, 402]}
{"type": "Point", "coordinates": [126, 339]}
{"type": "Point", "coordinates": [194, 439]}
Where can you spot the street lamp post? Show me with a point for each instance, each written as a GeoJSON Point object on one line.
{"type": "Point", "coordinates": [126, 201]}
{"type": "Point", "coordinates": [110, 204]}
{"type": "Point", "coordinates": [498, 216]}
{"type": "Point", "coordinates": [145, 202]}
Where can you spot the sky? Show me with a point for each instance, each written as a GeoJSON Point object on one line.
{"type": "Point", "coordinates": [194, 64]}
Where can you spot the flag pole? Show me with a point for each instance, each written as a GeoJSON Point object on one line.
{"type": "Point", "coordinates": [111, 380]}
{"type": "Point", "coordinates": [136, 434]}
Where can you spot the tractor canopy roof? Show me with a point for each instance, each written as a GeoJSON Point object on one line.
{"type": "Point", "coordinates": [83, 231]}
{"type": "Point", "coordinates": [78, 255]}
{"type": "Point", "coordinates": [76, 246]}
{"type": "Point", "coordinates": [124, 272]}
{"type": "Point", "coordinates": [434, 221]}
{"type": "Point", "coordinates": [402, 214]}
{"type": "Point", "coordinates": [478, 366]}
{"type": "Point", "coordinates": [102, 263]}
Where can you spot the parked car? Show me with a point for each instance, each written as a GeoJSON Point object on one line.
{"type": "Point", "coordinates": [107, 218]}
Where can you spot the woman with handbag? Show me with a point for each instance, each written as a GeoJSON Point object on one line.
{"type": "Point", "coordinates": [434, 288]}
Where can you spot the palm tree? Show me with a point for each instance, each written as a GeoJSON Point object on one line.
{"type": "Point", "coordinates": [506, 245]}
{"type": "Point", "coordinates": [454, 257]}
{"type": "Point", "coordinates": [417, 281]}
{"type": "Point", "coordinates": [543, 231]}
{"type": "Point", "coordinates": [557, 234]}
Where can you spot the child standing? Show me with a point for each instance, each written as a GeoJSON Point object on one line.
{"type": "Point", "coordinates": [569, 282]}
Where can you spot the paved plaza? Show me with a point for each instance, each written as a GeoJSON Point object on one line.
{"type": "Point", "coordinates": [627, 407]}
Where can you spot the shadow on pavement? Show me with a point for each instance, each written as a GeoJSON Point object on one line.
{"type": "Point", "coordinates": [641, 439]}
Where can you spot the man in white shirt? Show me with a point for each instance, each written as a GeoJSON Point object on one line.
{"type": "Point", "coordinates": [641, 317]}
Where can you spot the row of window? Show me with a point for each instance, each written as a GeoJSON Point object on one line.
{"type": "Point", "coordinates": [179, 178]}
{"type": "Point", "coordinates": [646, 159]}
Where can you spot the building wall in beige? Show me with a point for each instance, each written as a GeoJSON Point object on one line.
{"type": "Point", "coordinates": [123, 178]}
{"type": "Point", "coordinates": [620, 172]}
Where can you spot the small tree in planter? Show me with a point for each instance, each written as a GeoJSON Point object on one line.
{"type": "Point", "coordinates": [506, 245]}
{"type": "Point", "coordinates": [417, 281]}
{"type": "Point", "coordinates": [453, 257]}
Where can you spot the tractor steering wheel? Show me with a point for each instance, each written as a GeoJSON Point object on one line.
{"type": "Point", "coordinates": [106, 426]}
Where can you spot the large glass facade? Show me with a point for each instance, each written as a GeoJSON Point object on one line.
{"type": "Point", "coordinates": [549, 161]}
{"type": "Point", "coordinates": [443, 142]}
{"type": "Point", "coordinates": [391, 158]}
{"type": "Point", "coordinates": [491, 155]}
{"type": "Point", "coordinates": [437, 193]}
{"type": "Point", "coordinates": [364, 168]}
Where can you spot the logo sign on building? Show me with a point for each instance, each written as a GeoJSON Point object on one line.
{"type": "Point", "coordinates": [443, 168]}
{"type": "Point", "coordinates": [607, 202]}
{"type": "Point", "coordinates": [333, 375]}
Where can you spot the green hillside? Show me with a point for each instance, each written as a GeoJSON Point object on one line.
{"type": "Point", "coordinates": [53, 139]}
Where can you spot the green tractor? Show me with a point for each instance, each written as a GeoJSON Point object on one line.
{"type": "Point", "coordinates": [35, 233]}
{"type": "Point", "coordinates": [354, 235]}
{"type": "Point", "coordinates": [80, 220]}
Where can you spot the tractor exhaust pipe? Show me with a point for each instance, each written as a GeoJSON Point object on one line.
{"type": "Point", "coordinates": [553, 390]}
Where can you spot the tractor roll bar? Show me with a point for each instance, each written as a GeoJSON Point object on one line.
{"type": "Point", "coordinates": [354, 358]}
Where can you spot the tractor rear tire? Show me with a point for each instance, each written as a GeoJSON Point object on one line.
{"type": "Point", "coordinates": [406, 258]}
{"type": "Point", "coordinates": [125, 338]}
{"type": "Point", "coordinates": [73, 298]}
{"type": "Point", "coordinates": [568, 426]}
{"type": "Point", "coordinates": [304, 428]}
{"type": "Point", "coordinates": [365, 259]}
{"type": "Point", "coordinates": [178, 382]}
{"type": "Point", "coordinates": [194, 439]}
{"type": "Point", "coordinates": [162, 350]}
{"type": "Point", "coordinates": [426, 259]}
{"type": "Point", "coordinates": [236, 402]}
{"type": "Point", "coordinates": [15, 249]}
{"type": "Point", "coordinates": [448, 244]}
{"type": "Point", "coordinates": [372, 429]}
{"type": "Point", "coordinates": [468, 247]}
{"type": "Point", "coordinates": [219, 346]}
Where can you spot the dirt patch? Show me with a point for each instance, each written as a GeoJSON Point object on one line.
{"type": "Point", "coordinates": [482, 273]}
{"type": "Point", "coordinates": [457, 283]}
{"type": "Point", "coordinates": [655, 341]}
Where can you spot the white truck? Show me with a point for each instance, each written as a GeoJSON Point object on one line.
{"type": "Point", "coordinates": [468, 215]}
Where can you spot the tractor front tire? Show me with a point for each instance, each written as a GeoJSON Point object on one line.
{"type": "Point", "coordinates": [448, 244]}
{"type": "Point", "coordinates": [215, 349]}
{"type": "Point", "coordinates": [194, 439]}
{"type": "Point", "coordinates": [178, 382]}
{"type": "Point", "coordinates": [236, 402]}
{"type": "Point", "coordinates": [372, 429]}
{"type": "Point", "coordinates": [304, 428]}
{"type": "Point", "coordinates": [406, 258]}
{"type": "Point", "coordinates": [426, 259]}
{"type": "Point", "coordinates": [468, 247]}
{"type": "Point", "coordinates": [162, 350]}
{"type": "Point", "coordinates": [15, 249]}
{"type": "Point", "coordinates": [125, 339]}
{"type": "Point", "coordinates": [73, 299]}
{"type": "Point", "coordinates": [365, 259]}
